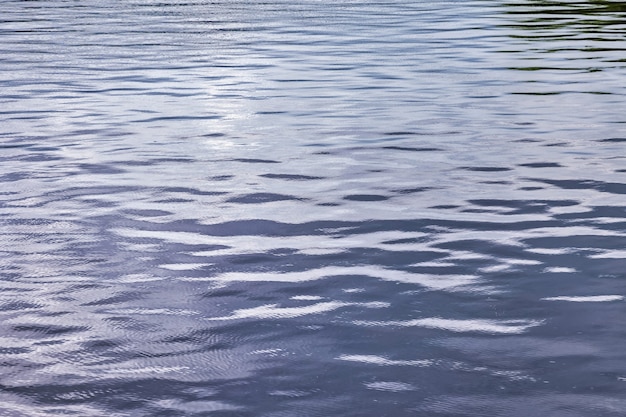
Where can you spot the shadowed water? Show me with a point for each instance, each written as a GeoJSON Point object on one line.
{"type": "Point", "coordinates": [307, 208]}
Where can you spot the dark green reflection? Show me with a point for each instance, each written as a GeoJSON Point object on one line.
{"type": "Point", "coordinates": [602, 20]}
{"type": "Point", "coordinates": [566, 47]}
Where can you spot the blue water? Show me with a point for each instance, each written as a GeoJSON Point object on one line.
{"type": "Point", "coordinates": [312, 208]}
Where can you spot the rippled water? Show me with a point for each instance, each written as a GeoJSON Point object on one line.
{"type": "Point", "coordinates": [312, 208]}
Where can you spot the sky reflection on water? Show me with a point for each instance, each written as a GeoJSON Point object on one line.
{"type": "Point", "coordinates": [304, 208]}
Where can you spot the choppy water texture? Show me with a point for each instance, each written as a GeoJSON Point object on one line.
{"type": "Point", "coordinates": [312, 208]}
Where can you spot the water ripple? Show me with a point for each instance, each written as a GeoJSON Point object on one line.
{"type": "Point", "coordinates": [308, 208]}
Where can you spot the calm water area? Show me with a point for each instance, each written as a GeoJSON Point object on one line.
{"type": "Point", "coordinates": [299, 208]}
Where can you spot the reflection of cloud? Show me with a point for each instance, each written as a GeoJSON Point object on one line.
{"type": "Point", "coordinates": [587, 299]}
{"type": "Point", "coordinates": [479, 326]}
{"type": "Point", "coordinates": [197, 406]}
{"type": "Point", "coordinates": [183, 266]}
{"type": "Point", "coordinates": [559, 270]}
{"type": "Point", "coordinates": [440, 363]}
{"type": "Point", "coordinates": [391, 386]}
{"type": "Point", "coordinates": [271, 311]}
{"type": "Point", "coordinates": [380, 360]}
{"type": "Point", "coordinates": [610, 254]}
{"type": "Point", "coordinates": [435, 282]}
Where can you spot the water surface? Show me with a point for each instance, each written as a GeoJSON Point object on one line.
{"type": "Point", "coordinates": [308, 208]}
